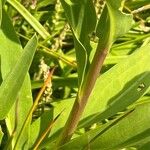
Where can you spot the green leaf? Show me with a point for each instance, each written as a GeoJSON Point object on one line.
{"type": "Point", "coordinates": [58, 107]}
{"type": "Point", "coordinates": [17, 114]}
{"type": "Point", "coordinates": [10, 51]}
{"type": "Point", "coordinates": [119, 84]}
{"type": "Point", "coordinates": [136, 4]}
{"type": "Point", "coordinates": [34, 131]}
{"type": "Point", "coordinates": [123, 99]}
{"type": "Point", "coordinates": [113, 23]}
{"type": "Point", "coordinates": [30, 19]}
{"type": "Point", "coordinates": [2, 2]}
{"type": "Point", "coordinates": [122, 79]}
{"type": "Point", "coordinates": [82, 19]}
{"type": "Point", "coordinates": [0, 12]}
{"type": "Point", "coordinates": [64, 105]}
{"type": "Point", "coordinates": [12, 83]}
{"type": "Point", "coordinates": [145, 146]}
{"type": "Point", "coordinates": [132, 129]}
{"type": "Point", "coordinates": [1, 134]}
{"type": "Point", "coordinates": [39, 126]}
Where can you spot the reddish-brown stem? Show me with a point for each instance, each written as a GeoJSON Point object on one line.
{"type": "Point", "coordinates": [83, 95]}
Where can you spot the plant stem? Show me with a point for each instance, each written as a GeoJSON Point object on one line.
{"type": "Point", "coordinates": [29, 116]}
{"type": "Point", "coordinates": [68, 60]}
{"type": "Point", "coordinates": [132, 41]}
{"type": "Point", "coordinates": [46, 131]}
{"type": "Point", "coordinates": [83, 94]}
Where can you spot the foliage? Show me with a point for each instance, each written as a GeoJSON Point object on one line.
{"type": "Point", "coordinates": [74, 74]}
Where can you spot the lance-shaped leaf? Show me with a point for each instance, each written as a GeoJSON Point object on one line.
{"type": "Point", "coordinates": [129, 130]}
{"type": "Point", "coordinates": [12, 83]}
{"type": "Point", "coordinates": [17, 114]}
{"type": "Point", "coordinates": [121, 84]}
{"type": "Point", "coordinates": [82, 19]}
{"type": "Point", "coordinates": [116, 89]}
{"type": "Point", "coordinates": [29, 18]}
{"type": "Point", "coordinates": [113, 23]}
{"type": "Point", "coordinates": [10, 51]}
{"type": "Point", "coordinates": [131, 92]}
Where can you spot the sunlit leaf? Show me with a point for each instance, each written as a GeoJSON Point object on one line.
{"type": "Point", "coordinates": [82, 19]}
{"type": "Point", "coordinates": [16, 83]}
{"type": "Point", "coordinates": [12, 83]}
{"type": "Point", "coordinates": [113, 23]}
{"type": "Point", "coordinates": [133, 129]}
{"type": "Point", "coordinates": [119, 84]}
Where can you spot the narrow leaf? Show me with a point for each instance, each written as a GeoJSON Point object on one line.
{"type": "Point", "coordinates": [29, 18]}
{"type": "Point", "coordinates": [12, 83]}
{"type": "Point", "coordinates": [131, 92]}
{"type": "Point", "coordinates": [132, 130]}
{"type": "Point", "coordinates": [10, 51]}
{"type": "Point", "coordinates": [82, 19]}
{"type": "Point", "coordinates": [119, 84]}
